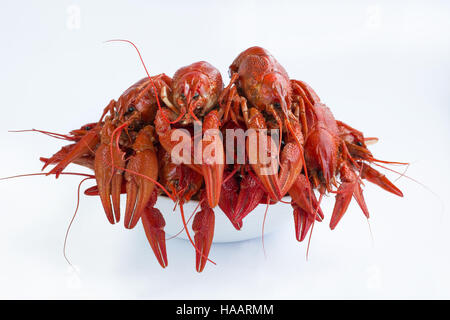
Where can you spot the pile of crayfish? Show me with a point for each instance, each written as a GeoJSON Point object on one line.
{"type": "Point", "coordinates": [142, 146]}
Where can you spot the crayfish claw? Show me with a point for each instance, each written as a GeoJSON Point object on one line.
{"type": "Point", "coordinates": [343, 199]}
{"type": "Point", "coordinates": [213, 177]}
{"type": "Point", "coordinates": [228, 200]}
{"type": "Point", "coordinates": [109, 181]}
{"type": "Point", "coordinates": [303, 196]}
{"type": "Point", "coordinates": [358, 195]}
{"type": "Point", "coordinates": [321, 153]}
{"type": "Point", "coordinates": [154, 224]}
{"type": "Point", "coordinates": [291, 158]}
{"type": "Point", "coordinates": [291, 166]}
{"type": "Point", "coordinates": [70, 153]}
{"type": "Point", "coordinates": [250, 195]}
{"type": "Point", "coordinates": [213, 157]}
{"type": "Point", "coordinates": [302, 221]}
{"type": "Point", "coordinates": [379, 179]}
{"type": "Point", "coordinates": [351, 186]}
{"type": "Point", "coordinates": [203, 227]}
{"type": "Point", "coordinates": [141, 175]}
{"type": "Point", "coordinates": [265, 168]}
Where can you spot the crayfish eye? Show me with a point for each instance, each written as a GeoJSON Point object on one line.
{"type": "Point", "coordinates": [277, 105]}
{"type": "Point", "coordinates": [358, 143]}
{"type": "Point", "coordinates": [131, 109]}
{"type": "Point", "coordinates": [196, 95]}
{"type": "Point", "coordinates": [182, 96]}
{"type": "Point", "coordinates": [87, 128]}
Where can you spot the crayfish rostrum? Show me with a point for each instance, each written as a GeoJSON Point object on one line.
{"type": "Point", "coordinates": [167, 137]}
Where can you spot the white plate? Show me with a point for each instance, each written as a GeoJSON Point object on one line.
{"type": "Point", "coordinates": [278, 216]}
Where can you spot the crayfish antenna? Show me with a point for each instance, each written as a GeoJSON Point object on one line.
{"type": "Point", "coordinates": [72, 220]}
{"type": "Point", "coordinates": [87, 177]}
{"type": "Point", "coordinates": [45, 174]}
{"type": "Point", "coordinates": [50, 134]}
{"type": "Point", "coordinates": [416, 181]}
{"type": "Point", "coordinates": [188, 220]}
{"type": "Point", "coordinates": [263, 224]}
{"type": "Point", "coordinates": [312, 227]}
{"type": "Point", "coordinates": [150, 78]}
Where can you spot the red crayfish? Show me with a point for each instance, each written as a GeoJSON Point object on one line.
{"type": "Point", "coordinates": [134, 149]}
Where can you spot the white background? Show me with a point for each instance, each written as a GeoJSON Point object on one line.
{"type": "Point", "coordinates": [381, 66]}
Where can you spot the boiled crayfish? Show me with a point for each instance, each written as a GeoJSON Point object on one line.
{"type": "Point", "coordinates": [135, 149]}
